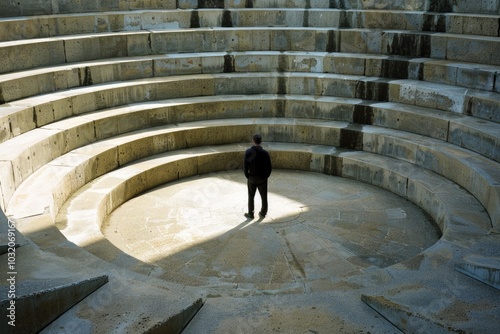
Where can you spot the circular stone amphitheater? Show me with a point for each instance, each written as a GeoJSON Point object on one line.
{"type": "Point", "coordinates": [122, 130]}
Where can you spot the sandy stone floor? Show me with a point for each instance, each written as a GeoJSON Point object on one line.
{"type": "Point", "coordinates": [319, 229]}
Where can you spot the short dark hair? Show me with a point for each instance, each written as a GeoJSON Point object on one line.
{"type": "Point", "coordinates": [257, 138]}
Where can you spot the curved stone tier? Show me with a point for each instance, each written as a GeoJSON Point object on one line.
{"type": "Point", "coordinates": [103, 101]}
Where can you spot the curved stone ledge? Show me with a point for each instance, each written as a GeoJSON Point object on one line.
{"type": "Point", "coordinates": [42, 26]}
{"type": "Point", "coordinates": [105, 194]}
{"type": "Point", "coordinates": [73, 170]}
{"type": "Point", "coordinates": [18, 85]}
{"type": "Point", "coordinates": [40, 7]}
{"type": "Point", "coordinates": [26, 153]}
{"type": "Point", "coordinates": [29, 54]}
{"type": "Point", "coordinates": [37, 111]}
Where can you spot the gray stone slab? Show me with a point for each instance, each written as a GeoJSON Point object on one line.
{"type": "Point", "coordinates": [38, 303]}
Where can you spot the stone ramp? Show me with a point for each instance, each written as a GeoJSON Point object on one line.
{"type": "Point", "coordinates": [339, 311]}
{"type": "Point", "coordinates": [39, 302]}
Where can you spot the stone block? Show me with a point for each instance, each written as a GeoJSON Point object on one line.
{"type": "Point", "coordinates": [354, 41]}
{"type": "Point", "coordinates": [357, 168]}
{"type": "Point", "coordinates": [17, 88]}
{"type": "Point", "coordinates": [404, 149]}
{"type": "Point", "coordinates": [67, 78]}
{"type": "Point", "coordinates": [139, 44]}
{"type": "Point", "coordinates": [5, 131]}
{"type": "Point", "coordinates": [300, 107]}
{"type": "Point", "coordinates": [412, 119]}
{"type": "Point", "coordinates": [135, 70]}
{"type": "Point", "coordinates": [83, 103]}
{"type": "Point", "coordinates": [474, 49]}
{"type": "Point", "coordinates": [134, 185]}
{"type": "Point", "coordinates": [338, 87]}
{"type": "Point", "coordinates": [327, 40]}
{"type": "Point", "coordinates": [67, 184]}
{"type": "Point", "coordinates": [485, 106]}
{"type": "Point", "coordinates": [304, 85]}
{"type": "Point", "coordinates": [291, 160]}
{"type": "Point", "coordinates": [72, 25]}
{"type": "Point", "coordinates": [187, 4]}
{"type": "Point", "coordinates": [415, 68]}
{"type": "Point", "coordinates": [254, 39]}
{"type": "Point", "coordinates": [152, 4]}
{"type": "Point", "coordinates": [164, 20]}
{"type": "Point", "coordinates": [439, 72]}
{"type": "Point", "coordinates": [7, 183]}
{"type": "Point", "coordinates": [255, 62]}
{"type": "Point", "coordinates": [476, 77]}
{"type": "Point", "coordinates": [20, 118]}
{"type": "Point", "coordinates": [351, 65]}
{"type": "Point", "coordinates": [218, 162]}
{"type": "Point", "coordinates": [476, 135]}
{"type": "Point", "coordinates": [186, 166]}
{"type": "Point", "coordinates": [135, 149]}
{"type": "Point", "coordinates": [335, 109]}
{"type": "Point", "coordinates": [22, 55]}
{"type": "Point", "coordinates": [43, 149]}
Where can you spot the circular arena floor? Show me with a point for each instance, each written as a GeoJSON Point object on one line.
{"type": "Point", "coordinates": [319, 230]}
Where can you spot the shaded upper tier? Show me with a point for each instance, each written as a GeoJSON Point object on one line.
{"type": "Point", "coordinates": [40, 7]}
{"type": "Point", "coordinates": [28, 27]}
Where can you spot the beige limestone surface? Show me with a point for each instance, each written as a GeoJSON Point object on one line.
{"type": "Point", "coordinates": [319, 229]}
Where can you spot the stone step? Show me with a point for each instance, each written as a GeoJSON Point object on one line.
{"type": "Point", "coordinates": [44, 7]}
{"type": "Point", "coordinates": [475, 173]}
{"type": "Point", "coordinates": [22, 115]}
{"type": "Point", "coordinates": [33, 199]}
{"type": "Point", "coordinates": [18, 85]}
{"type": "Point", "coordinates": [86, 23]}
{"type": "Point", "coordinates": [26, 153]}
{"type": "Point", "coordinates": [60, 137]}
{"type": "Point", "coordinates": [75, 48]}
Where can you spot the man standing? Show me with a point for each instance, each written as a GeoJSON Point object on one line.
{"type": "Point", "coordinates": [257, 168]}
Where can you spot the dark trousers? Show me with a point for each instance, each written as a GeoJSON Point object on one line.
{"type": "Point", "coordinates": [254, 183]}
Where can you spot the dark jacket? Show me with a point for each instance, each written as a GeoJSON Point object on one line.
{"type": "Point", "coordinates": [257, 163]}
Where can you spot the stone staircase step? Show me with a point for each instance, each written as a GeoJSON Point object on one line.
{"type": "Point", "coordinates": [75, 48]}
{"type": "Point", "coordinates": [45, 109]}
{"type": "Point", "coordinates": [39, 26]}
{"type": "Point", "coordinates": [18, 85]}
{"type": "Point", "coordinates": [41, 146]}
{"type": "Point", "coordinates": [480, 173]}
{"type": "Point", "coordinates": [44, 7]}
{"type": "Point", "coordinates": [430, 191]}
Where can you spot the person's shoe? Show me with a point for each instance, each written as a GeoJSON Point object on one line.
{"type": "Point", "coordinates": [262, 215]}
{"type": "Point", "coordinates": [249, 215]}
